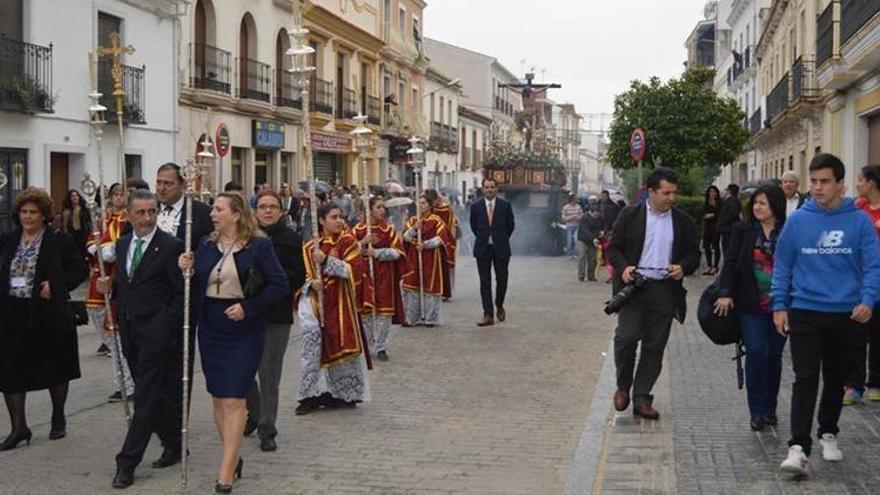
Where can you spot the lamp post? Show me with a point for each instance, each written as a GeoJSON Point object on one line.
{"type": "Point", "coordinates": [363, 140]}
{"type": "Point", "coordinates": [416, 160]}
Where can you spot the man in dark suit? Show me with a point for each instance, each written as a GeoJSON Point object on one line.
{"type": "Point", "coordinates": [492, 224]}
{"type": "Point", "coordinates": [170, 187]}
{"type": "Point", "coordinates": [148, 290]}
{"type": "Point", "coordinates": [656, 241]}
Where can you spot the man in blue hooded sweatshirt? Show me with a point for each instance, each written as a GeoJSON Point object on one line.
{"type": "Point", "coordinates": [826, 280]}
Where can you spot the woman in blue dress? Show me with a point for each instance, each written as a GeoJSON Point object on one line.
{"type": "Point", "coordinates": [236, 280]}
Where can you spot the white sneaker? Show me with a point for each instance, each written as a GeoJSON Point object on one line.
{"type": "Point", "coordinates": [796, 462]}
{"type": "Point", "coordinates": [830, 451]}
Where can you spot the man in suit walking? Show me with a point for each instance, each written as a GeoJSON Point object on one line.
{"type": "Point", "coordinates": [170, 187]}
{"type": "Point", "coordinates": [656, 241]}
{"type": "Point", "coordinates": [148, 290]}
{"type": "Point", "coordinates": [492, 224]}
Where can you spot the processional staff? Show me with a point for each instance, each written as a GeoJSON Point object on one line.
{"type": "Point", "coordinates": [362, 138]}
{"type": "Point", "coordinates": [416, 153]}
{"type": "Point", "coordinates": [302, 72]}
{"type": "Point", "coordinates": [99, 223]}
{"type": "Point", "coordinates": [115, 52]}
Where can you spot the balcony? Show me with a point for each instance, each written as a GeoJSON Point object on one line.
{"type": "Point", "coordinates": [853, 15]}
{"type": "Point", "coordinates": [133, 85]}
{"type": "Point", "coordinates": [803, 83]}
{"type": "Point", "coordinates": [755, 123]}
{"type": "Point", "coordinates": [825, 35]}
{"type": "Point", "coordinates": [777, 100]}
{"type": "Point", "coordinates": [349, 105]}
{"type": "Point", "coordinates": [254, 80]}
{"type": "Point", "coordinates": [210, 68]}
{"type": "Point", "coordinates": [321, 96]}
{"type": "Point", "coordinates": [25, 77]}
{"type": "Point", "coordinates": [444, 137]}
{"type": "Point", "coordinates": [287, 92]}
{"type": "Point", "coordinates": [374, 110]}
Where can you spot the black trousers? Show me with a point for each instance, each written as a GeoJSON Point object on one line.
{"type": "Point", "coordinates": [484, 267]}
{"type": "Point", "coordinates": [646, 318]}
{"type": "Point", "coordinates": [712, 248]}
{"type": "Point", "coordinates": [819, 341]}
{"type": "Point", "coordinates": [867, 349]}
{"type": "Point", "coordinates": [157, 372]}
{"type": "Point", "coordinates": [725, 240]}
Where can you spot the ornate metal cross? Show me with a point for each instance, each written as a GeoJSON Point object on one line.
{"type": "Point", "coordinates": [115, 52]}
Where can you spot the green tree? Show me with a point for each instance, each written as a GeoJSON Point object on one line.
{"type": "Point", "coordinates": [688, 126]}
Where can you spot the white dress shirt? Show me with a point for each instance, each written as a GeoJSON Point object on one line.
{"type": "Point", "coordinates": [791, 204]}
{"type": "Point", "coordinates": [169, 220]}
{"type": "Point", "coordinates": [134, 237]}
{"type": "Point", "coordinates": [657, 250]}
{"type": "Point", "coordinates": [490, 206]}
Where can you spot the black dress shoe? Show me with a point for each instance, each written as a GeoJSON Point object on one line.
{"type": "Point", "coordinates": [15, 438]}
{"type": "Point", "coordinates": [123, 479]}
{"type": "Point", "coordinates": [382, 356]}
{"type": "Point", "coordinates": [268, 445]}
{"type": "Point", "coordinates": [220, 488]}
{"type": "Point", "coordinates": [250, 426]}
{"type": "Point", "coordinates": [771, 420]}
{"type": "Point", "coordinates": [757, 424]}
{"type": "Point", "coordinates": [306, 406]}
{"type": "Point", "coordinates": [168, 459]}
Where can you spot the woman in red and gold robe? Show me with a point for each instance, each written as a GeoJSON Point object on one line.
{"type": "Point", "coordinates": [114, 224]}
{"type": "Point", "coordinates": [436, 248]}
{"type": "Point", "coordinates": [333, 363]}
{"type": "Point", "coordinates": [386, 249]}
{"type": "Point", "coordinates": [443, 210]}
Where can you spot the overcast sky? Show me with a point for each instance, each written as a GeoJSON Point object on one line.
{"type": "Point", "coordinates": [592, 47]}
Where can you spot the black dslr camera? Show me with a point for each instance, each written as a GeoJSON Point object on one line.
{"type": "Point", "coordinates": [622, 297]}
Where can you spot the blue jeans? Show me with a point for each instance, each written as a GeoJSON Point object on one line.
{"type": "Point", "coordinates": [571, 235]}
{"type": "Point", "coordinates": [763, 362]}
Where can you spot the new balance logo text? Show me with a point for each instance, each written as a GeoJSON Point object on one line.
{"type": "Point", "coordinates": [829, 243]}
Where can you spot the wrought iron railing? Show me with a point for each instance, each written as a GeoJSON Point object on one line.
{"type": "Point", "coordinates": [210, 68]}
{"type": "Point", "coordinates": [134, 87]}
{"type": "Point", "coordinates": [803, 84]}
{"type": "Point", "coordinates": [25, 76]}
{"type": "Point", "coordinates": [755, 122]}
{"type": "Point", "coordinates": [349, 103]}
{"type": "Point", "coordinates": [825, 35]}
{"type": "Point", "coordinates": [254, 80]}
{"type": "Point", "coordinates": [287, 92]}
{"type": "Point", "coordinates": [374, 110]}
{"type": "Point", "coordinates": [854, 14]}
{"type": "Point", "coordinates": [321, 96]}
{"type": "Point", "coordinates": [777, 100]}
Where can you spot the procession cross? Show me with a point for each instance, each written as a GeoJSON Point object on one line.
{"type": "Point", "coordinates": [115, 52]}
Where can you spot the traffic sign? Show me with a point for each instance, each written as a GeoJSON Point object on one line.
{"type": "Point", "coordinates": [222, 140]}
{"type": "Point", "coordinates": [638, 143]}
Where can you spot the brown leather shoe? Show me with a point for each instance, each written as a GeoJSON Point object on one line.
{"type": "Point", "coordinates": [499, 312]}
{"type": "Point", "coordinates": [621, 400]}
{"type": "Point", "coordinates": [646, 410]}
{"type": "Point", "coordinates": [487, 321]}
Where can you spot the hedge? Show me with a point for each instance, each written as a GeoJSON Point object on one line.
{"type": "Point", "coordinates": [693, 206]}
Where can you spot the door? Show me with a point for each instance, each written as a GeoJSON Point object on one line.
{"type": "Point", "coordinates": [58, 183]}
{"type": "Point", "coordinates": [874, 139]}
{"type": "Point", "coordinates": [340, 86]}
{"type": "Point", "coordinates": [13, 177]}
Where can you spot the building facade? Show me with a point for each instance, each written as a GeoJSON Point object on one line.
{"type": "Point", "coordinates": [441, 115]}
{"type": "Point", "coordinates": [792, 127]}
{"type": "Point", "coordinates": [848, 60]}
{"type": "Point", "coordinates": [474, 129]}
{"type": "Point", "coordinates": [568, 137]}
{"type": "Point", "coordinates": [45, 79]}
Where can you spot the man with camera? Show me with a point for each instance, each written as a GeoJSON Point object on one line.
{"type": "Point", "coordinates": [653, 247]}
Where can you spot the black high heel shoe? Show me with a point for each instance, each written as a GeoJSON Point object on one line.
{"type": "Point", "coordinates": [238, 469]}
{"type": "Point", "coordinates": [59, 429]}
{"type": "Point", "coordinates": [221, 488]}
{"type": "Point", "coordinates": [14, 439]}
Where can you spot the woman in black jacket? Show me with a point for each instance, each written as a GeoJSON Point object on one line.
{"type": "Point", "coordinates": [745, 284]}
{"type": "Point", "coordinates": [76, 220]}
{"type": "Point", "coordinates": [38, 346]}
{"type": "Point", "coordinates": [262, 401]}
{"type": "Point", "coordinates": [711, 237]}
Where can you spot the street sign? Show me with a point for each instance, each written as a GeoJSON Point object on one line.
{"type": "Point", "coordinates": [638, 143]}
{"type": "Point", "coordinates": [222, 140]}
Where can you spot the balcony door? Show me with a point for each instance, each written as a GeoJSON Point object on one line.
{"type": "Point", "coordinates": [58, 178]}
{"type": "Point", "coordinates": [340, 86]}
{"type": "Point", "coordinates": [11, 19]}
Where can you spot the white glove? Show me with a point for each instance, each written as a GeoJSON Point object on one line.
{"type": "Point", "coordinates": [108, 253]}
{"type": "Point", "coordinates": [92, 249]}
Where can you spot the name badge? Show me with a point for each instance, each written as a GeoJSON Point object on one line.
{"type": "Point", "coordinates": [18, 282]}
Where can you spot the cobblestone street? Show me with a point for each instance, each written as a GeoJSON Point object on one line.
{"type": "Point", "coordinates": [458, 409]}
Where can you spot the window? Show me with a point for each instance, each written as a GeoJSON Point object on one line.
{"type": "Point", "coordinates": [133, 166]}
{"type": "Point", "coordinates": [401, 22]}
{"type": "Point", "coordinates": [401, 95]}
{"type": "Point", "coordinates": [442, 105]}
{"type": "Point", "coordinates": [387, 19]}
{"type": "Point", "coordinates": [449, 103]}
{"type": "Point", "coordinates": [417, 29]}
{"type": "Point", "coordinates": [238, 165]}
{"type": "Point", "coordinates": [415, 99]}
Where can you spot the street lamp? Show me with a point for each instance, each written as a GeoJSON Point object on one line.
{"type": "Point", "coordinates": [416, 159]}
{"type": "Point", "coordinates": [363, 140]}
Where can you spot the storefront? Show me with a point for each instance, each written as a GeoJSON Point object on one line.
{"type": "Point", "coordinates": [268, 139]}
{"type": "Point", "coordinates": [330, 154]}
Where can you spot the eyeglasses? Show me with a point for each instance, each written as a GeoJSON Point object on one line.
{"type": "Point", "coordinates": [268, 207]}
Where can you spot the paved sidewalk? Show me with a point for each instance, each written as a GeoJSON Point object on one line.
{"type": "Point", "coordinates": [702, 443]}
{"type": "Point", "coordinates": [458, 409]}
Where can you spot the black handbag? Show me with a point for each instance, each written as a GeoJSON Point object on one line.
{"type": "Point", "coordinates": [722, 330]}
{"type": "Point", "coordinates": [79, 313]}
{"type": "Point", "coordinates": [255, 284]}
